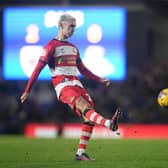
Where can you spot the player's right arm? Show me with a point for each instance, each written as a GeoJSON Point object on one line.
{"type": "Point", "coordinates": [48, 50]}
{"type": "Point", "coordinates": [40, 65]}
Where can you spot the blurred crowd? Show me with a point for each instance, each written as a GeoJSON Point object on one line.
{"type": "Point", "coordinates": [136, 95]}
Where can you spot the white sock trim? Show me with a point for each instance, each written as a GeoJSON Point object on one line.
{"type": "Point", "coordinates": [80, 151]}
{"type": "Point", "coordinates": [107, 123]}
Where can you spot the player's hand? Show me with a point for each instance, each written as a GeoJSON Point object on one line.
{"type": "Point", "coordinates": [24, 97]}
{"type": "Point", "coordinates": [105, 81]}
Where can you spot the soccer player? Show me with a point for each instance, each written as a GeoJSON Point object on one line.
{"type": "Point", "coordinates": [64, 61]}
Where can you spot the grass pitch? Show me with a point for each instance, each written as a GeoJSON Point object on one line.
{"type": "Point", "coordinates": [19, 152]}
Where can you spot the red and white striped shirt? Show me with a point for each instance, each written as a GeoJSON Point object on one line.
{"type": "Point", "coordinates": [64, 62]}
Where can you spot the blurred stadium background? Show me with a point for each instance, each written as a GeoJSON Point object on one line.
{"type": "Point", "coordinates": [33, 134]}
{"type": "Point", "coordinates": [146, 74]}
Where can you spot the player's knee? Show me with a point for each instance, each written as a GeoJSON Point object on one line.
{"type": "Point", "coordinates": [82, 104]}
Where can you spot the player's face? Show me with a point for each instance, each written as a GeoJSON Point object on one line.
{"type": "Point", "coordinates": [68, 28]}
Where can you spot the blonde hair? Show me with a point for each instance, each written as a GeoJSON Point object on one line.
{"type": "Point", "coordinates": [66, 18]}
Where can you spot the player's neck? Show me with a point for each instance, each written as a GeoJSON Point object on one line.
{"type": "Point", "coordinates": [61, 38]}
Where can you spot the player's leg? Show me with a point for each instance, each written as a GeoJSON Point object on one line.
{"type": "Point", "coordinates": [69, 96]}
{"type": "Point", "coordinates": [89, 114]}
{"type": "Point", "coordinates": [86, 133]}
{"type": "Point", "coordinates": [78, 99]}
{"type": "Point", "coordinates": [85, 106]}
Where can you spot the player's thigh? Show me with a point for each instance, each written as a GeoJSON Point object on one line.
{"type": "Point", "coordinates": [82, 103]}
{"type": "Point", "coordinates": [77, 98]}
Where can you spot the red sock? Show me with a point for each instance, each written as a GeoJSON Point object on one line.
{"type": "Point", "coordinates": [93, 116]}
{"type": "Point", "coordinates": [85, 137]}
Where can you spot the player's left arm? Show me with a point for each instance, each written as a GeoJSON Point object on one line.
{"type": "Point", "coordinates": [87, 73]}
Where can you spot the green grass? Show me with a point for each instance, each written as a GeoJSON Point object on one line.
{"type": "Point", "coordinates": [19, 152]}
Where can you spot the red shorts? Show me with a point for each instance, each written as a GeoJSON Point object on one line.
{"type": "Point", "coordinates": [69, 94]}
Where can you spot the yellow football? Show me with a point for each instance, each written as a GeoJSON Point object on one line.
{"type": "Point", "coordinates": [162, 98]}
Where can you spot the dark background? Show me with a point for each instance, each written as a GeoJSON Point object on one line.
{"type": "Point", "coordinates": [147, 72]}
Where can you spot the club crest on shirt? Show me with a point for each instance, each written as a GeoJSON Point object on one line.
{"type": "Point", "coordinates": [74, 50]}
